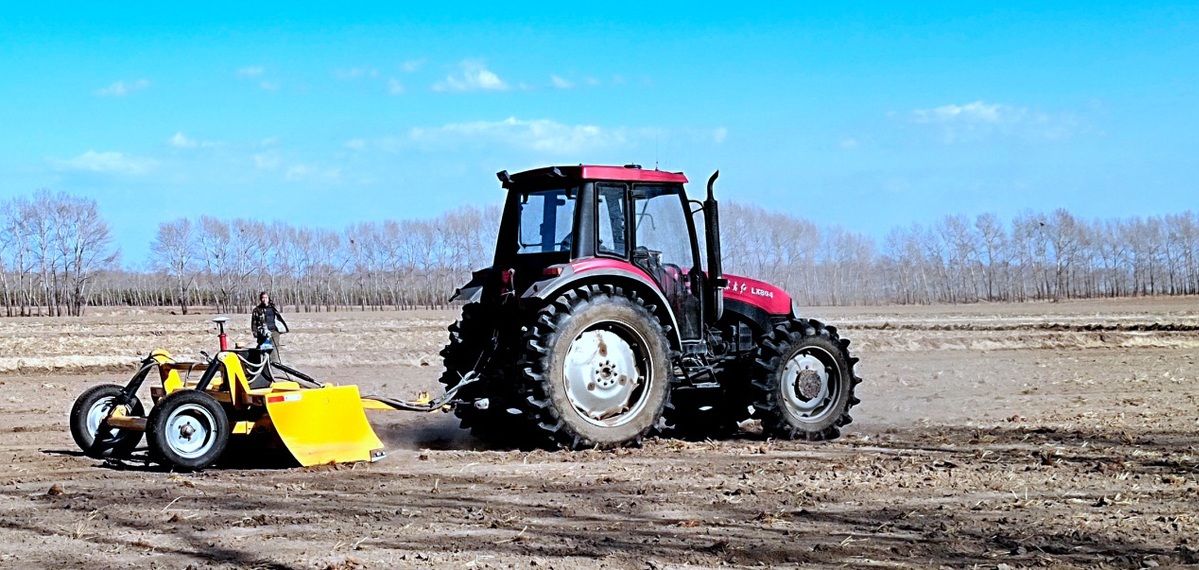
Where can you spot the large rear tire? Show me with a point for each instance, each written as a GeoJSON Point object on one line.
{"type": "Point", "coordinates": [595, 371]}
{"type": "Point", "coordinates": [187, 430]}
{"type": "Point", "coordinates": [88, 415]}
{"type": "Point", "coordinates": [471, 338]}
{"type": "Point", "coordinates": [803, 381]}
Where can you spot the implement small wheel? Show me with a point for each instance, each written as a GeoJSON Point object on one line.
{"type": "Point", "coordinates": [87, 418]}
{"type": "Point", "coordinates": [187, 430]}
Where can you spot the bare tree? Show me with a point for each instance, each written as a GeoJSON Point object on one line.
{"type": "Point", "coordinates": [174, 252]}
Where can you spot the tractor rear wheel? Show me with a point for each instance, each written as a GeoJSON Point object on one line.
{"type": "Point", "coordinates": [595, 370]}
{"type": "Point", "coordinates": [471, 339]}
{"type": "Point", "coordinates": [803, 381]}
{"type": "Point", "coordinates": [88, 415]}
{"type": "Point", "coordinates": [187, 430]}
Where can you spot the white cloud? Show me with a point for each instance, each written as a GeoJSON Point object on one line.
{"type": "Point", "coordinates": [257, 72]}
{"type": "Point", "coordinates": [306, 172]}
{"type": "Point", "coordinates": [473, 76]}
{"type": "Point", "coordinates": [394, 87]}
{"type": "Point", "coordinates": [356, 73]}
{"type": "Point", "coordinates": [411, 65]}
{"type": "Point", "coordinates": [537, 135]}
{"type": "Point", "coordinates": [976, 112]}
{"type": "Point", "coordinates": [298, 172]}
{"type": "Point", "coordinates": [560, 83]}
{"type": "Point", "coordinates": [272, 160]}
{"type": "Point", "coordinates": [107, 162]}
{"type": "Point", "coordinates": [542, 135]}
{"type": "Point", "coordinates": [269, 160]}
{"type": "Point", "coordinates": [356, 144]}
{"type": "Point", "coordinates": [180, 140]}
{"type": "Point", "coordinates": [122, 88]}
{"type": "Point", "coordinates": [849, 143]}
{"type": "Point", "coordinates": [979, 119]}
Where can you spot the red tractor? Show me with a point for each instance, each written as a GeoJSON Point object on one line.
{"type": "Point", "coordinates": [600, 322]}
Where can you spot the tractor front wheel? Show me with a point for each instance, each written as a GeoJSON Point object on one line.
{"type": "Point", "coordinates": [187, 430]}
{"type": "Point", "coordinates": [596, 369]}
{"type": "Point", "coordinates": [88, 414]}
{"type": "Point", "coordinates": [803, 381]}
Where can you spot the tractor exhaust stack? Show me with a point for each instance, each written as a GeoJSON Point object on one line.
{"type": "Point", "coordinates": [712, 237]}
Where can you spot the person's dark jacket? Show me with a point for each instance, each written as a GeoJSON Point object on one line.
{"type": "Point", "coordinates": [266, 318]}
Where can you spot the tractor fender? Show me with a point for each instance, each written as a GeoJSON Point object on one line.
{"type": "Point", "coordinates": [756, 317]}
{"type": "Point", "coordinates": [579, 274]}
{"type": "Point", "coordinates": [472, 291]}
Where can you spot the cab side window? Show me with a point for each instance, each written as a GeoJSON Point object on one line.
{"type": "Point", "coordinates": [662, 247]}
{"type": "Point", "coordinates": [610, 220]}
{"type": "Point", "coordinates": [661, 225]}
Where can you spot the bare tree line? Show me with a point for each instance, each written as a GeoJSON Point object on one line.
{"type": "Point", "coordinates": [223, 263]}
{"type": "Point", "coordinates": [1034, 256]}
{"type": "Point", "coordinates": [57, 257]}
{"type": "Point", "coordinates": [52, 247]}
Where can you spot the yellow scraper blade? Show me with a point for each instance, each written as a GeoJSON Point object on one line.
{"type": "Point", "coordinates": [324, 425]}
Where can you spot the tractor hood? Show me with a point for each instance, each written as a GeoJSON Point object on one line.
{"type": "Point", "coordinates": [760, 294]}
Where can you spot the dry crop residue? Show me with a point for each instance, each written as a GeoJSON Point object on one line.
{"type": "Point", "coordinates": [988, 435]}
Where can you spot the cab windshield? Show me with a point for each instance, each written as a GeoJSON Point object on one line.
{"type": "Point", "coordinates": [546, 220]}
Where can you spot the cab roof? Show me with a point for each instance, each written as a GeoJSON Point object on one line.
{"type": "Point", "coordinates": [627, 173]}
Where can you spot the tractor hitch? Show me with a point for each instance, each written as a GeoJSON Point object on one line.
{"type": "Point", "coordinates": [424, 403]}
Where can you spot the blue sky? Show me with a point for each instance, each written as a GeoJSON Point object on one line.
{"type": "Point", "coordinates": [865, 116]}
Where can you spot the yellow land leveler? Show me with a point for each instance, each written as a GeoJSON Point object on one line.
{"type": "Point", "coordinates": [232, 399]}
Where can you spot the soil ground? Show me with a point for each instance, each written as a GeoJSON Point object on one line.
{"type": "Point", "coordinates": [1057, 435]}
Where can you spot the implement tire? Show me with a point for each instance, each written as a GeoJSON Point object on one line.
{"type": "Point", "coordinates": [188, 430]}
{"type": "Point", "coordinates": [88, 414]}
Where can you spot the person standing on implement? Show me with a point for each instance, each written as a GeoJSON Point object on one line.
{"type": "Point", "coordinates": [266, 321]}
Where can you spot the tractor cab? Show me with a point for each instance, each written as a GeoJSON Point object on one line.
{"type": "Point", "coordinates": [609, 219]}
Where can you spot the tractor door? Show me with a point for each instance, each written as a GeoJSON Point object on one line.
{"type": "Point", "coordinates": [664, 247]}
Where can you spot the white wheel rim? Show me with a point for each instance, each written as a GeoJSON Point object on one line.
{"type": "Point", "coordinates": [96, 416]}
{"type": "Point", "coordinates": [190, 431]}
{"type": "Point", "coordinates": [808, 384]}
{"type": "Point", "coordinates": [606, 378]}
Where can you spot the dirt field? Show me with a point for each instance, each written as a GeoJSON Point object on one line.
{"type": "Point", "coordinates": [1019, 435]}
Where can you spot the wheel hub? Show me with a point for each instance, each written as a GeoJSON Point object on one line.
{"type": "Point", "coordinates": [96, 416]}
{"type": "Point", "coordinates": [601, 375]}
{"type": "Point", "coordinates": [190, 431]}
{"type": "Point", "coordinates": [805, 384]}
{"type": "Point", "coordinates": [808, 383]}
